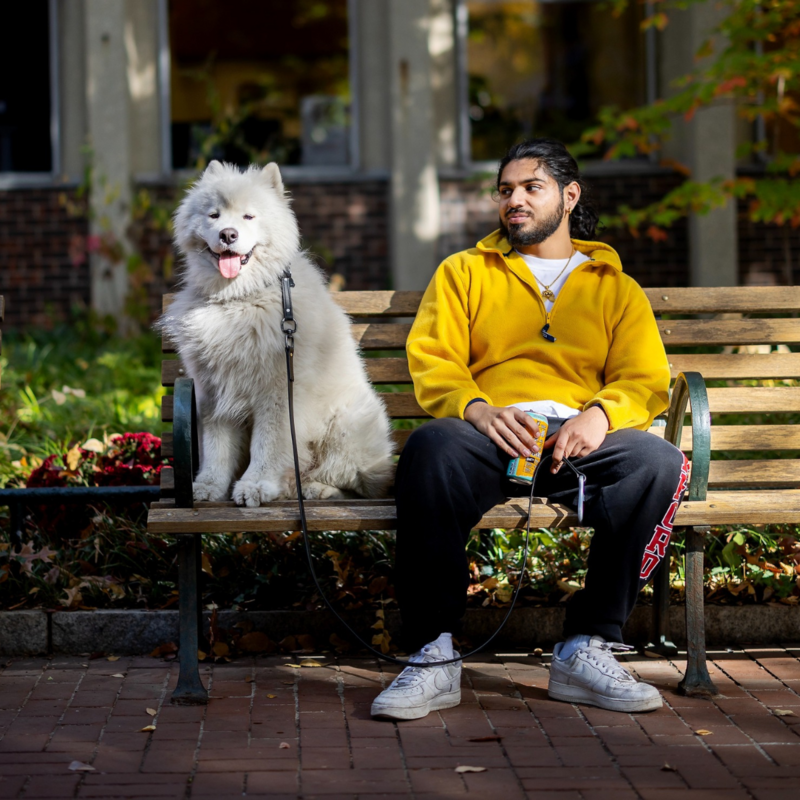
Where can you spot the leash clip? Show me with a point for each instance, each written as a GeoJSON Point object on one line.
{"type": "Point", "coordinates": [288, 323]}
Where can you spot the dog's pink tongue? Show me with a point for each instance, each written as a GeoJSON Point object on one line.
{"type": "Point", "coordinates": [229, 265]}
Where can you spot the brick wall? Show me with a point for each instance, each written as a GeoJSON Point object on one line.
{"type": "Point", "coordinates": [39, 238]}
{"type": "Point", "coordinates": [43, 272]}
{"type": "Point", "coordinates": [769, 255]}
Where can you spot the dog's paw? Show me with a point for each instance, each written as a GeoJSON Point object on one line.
{"type": "Point", "coordinates": [211, 492]}
{"type": "Point", "coordinates": [322, 491]}
{"type": "Point", "coordinates": [254, 493]}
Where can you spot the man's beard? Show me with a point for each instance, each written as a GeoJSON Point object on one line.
{"type": "Point", "coordinates": [521, 236]}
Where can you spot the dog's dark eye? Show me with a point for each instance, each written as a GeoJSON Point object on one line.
{"type": "Point", "coordinates": [249, 216]}
{"type": "Point", "coordinates": [214, 215]}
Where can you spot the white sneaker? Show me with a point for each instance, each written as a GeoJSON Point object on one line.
{"type": "Point", "coordinates": [417, 691]}
{"type": "Point", "coordinates": [592, 675]}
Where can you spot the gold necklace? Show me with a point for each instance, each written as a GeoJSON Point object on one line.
{"type": "Point", "coordinates": [547, 294]}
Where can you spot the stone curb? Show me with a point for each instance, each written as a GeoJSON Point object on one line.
{"type": "Point", "coordinates": [132, 632]}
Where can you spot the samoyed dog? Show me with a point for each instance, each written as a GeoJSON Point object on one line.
{"type": "Point", "coordinates": [237, 235]}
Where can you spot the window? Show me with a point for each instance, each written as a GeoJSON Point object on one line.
{"type": "Point", "coordinates": [546, 68]}
{"type": "Point", "coordinates": [25, 97]}
{"type": "Point", "coordinates": [257, 80]}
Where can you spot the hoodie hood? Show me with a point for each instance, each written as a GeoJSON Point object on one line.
{"type": "Point", "coordinates": [496, 242]}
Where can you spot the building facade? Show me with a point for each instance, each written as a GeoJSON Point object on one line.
{"type": "Point", "coordinates": [387, 117]}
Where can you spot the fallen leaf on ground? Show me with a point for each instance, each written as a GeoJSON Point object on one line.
{"type": "Point", "coordinates": [151, 711]}
{"type": "Point", "coordinates": [294, 666]}
{"type": "Point", "coordinates": [113, 658]}
{"type": "Point", "coordinates": [783, 712]}
{"type": "Point", "coordinates": [220, 649]}
{"type": "Point", "coordinates": [117, 675]}
{"type": "Point", "coordinates": [272, 696]}
{"type": "Point", "coordinates": [704, 732]}
{"type": "Point", "coordinates": [486, 739]}
{"type": "Point", "coordinates": [310, 662]}
{"type": "Point", "coordinates": [668, 768]}
{"type": "Point", "coordinates": [79, 766]}
{"type": "Point", "coordinates": [470, 769]}
{"type": "Point", "coordinates": [284, 746]}
{"type": "Point", "coordinates": [249, 679]}
{"type": "Point", "coordinates": [147, 728]}
{"type": "Point", "coordinates": [201, 655]}
{"type": "Point", "coordinates": [168, 648]}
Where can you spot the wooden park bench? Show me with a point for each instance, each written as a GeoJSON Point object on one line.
{"type": "Point", "coordinates": [727, 337]}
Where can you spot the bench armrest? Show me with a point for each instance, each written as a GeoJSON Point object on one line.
{"type": "Point", "coordinates": [690, 386]}
{"type": "Point", "coordinates": [184, 437]}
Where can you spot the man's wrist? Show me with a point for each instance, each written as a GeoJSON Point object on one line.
{"type": "Point", "coordinates": [604, 415]}
{"type": "Point", "coordinates": [472, 402]}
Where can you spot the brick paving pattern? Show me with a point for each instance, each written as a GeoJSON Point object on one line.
{"type": "Point", "coordinates": [274, 731]}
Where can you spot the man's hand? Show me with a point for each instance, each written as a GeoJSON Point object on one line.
{"type": "Point", "coordinates": [509, 428]}
{"type": "Point", "coordinates": [578, 436]}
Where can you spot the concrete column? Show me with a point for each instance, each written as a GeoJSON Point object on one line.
{"type": "Point", "coordinates": [444, 82]}
{"type": "Point", "coordinates": [414, 222]}
{"type": "Point", "coordinates": [141, 52]}
{"type": "Point", "coordinates": [374, 103]}
{"type": "Point", "coordinates": [108, 123]}
{"type": "Point", "coordinates": [707, 145]}
{"type": "Point", "coordinates": [72, 85]}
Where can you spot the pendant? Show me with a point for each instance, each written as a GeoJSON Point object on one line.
{"type": "Point", "coordinates": [548, 295]}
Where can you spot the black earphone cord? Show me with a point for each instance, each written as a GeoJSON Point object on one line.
{"type": "Point", "coordinates": [289, 327]}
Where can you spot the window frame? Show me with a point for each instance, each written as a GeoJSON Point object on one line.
{"type": "Point", "coordinates": [589, 166]}
{"type": "Point", "coordinates": [288, 171]}
{"type": "Point", "coordinates": [14, 179]}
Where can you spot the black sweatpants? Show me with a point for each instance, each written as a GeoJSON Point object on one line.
{"type": "Point", "coordinates": [449, 475]}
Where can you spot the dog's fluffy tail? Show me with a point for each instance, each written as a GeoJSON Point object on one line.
{"type": "Point", "coordinates": [375, 481]}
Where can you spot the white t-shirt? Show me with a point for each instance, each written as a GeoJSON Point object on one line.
{"type": "Point", "coordinates": [546, 270]}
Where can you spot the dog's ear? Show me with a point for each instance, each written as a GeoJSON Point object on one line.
{"type": "Point", "coordinates": [272, 175]}
{"type": "Point", "coordinates": [214, 168]}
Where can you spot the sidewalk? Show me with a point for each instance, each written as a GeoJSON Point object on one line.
{"type": "Point", "coordinates": [54, 712]}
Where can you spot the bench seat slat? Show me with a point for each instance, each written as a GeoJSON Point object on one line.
{"type": "Point", "coordinates": [733, 474]}
{"type": "Point", "coordinates": [721, 508]}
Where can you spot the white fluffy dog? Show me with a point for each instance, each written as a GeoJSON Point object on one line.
{"type": "Point", "coordinates": [237, 235]}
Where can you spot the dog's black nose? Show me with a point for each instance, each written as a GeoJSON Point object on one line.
{"type": "Point", "coordinates": [228, 235]}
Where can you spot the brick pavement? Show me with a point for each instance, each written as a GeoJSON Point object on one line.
{"type": "Point", "coordinates": [56, 711]}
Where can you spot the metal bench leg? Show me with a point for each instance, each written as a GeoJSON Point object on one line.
{"type": "Point", "coordinates": [696, 682]}
{"type": "Point", "coordinates": [661, 642]}
{"type": "Point", "coordinates": [190, 689]}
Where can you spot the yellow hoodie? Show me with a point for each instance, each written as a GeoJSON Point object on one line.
{"type": "Point", "coordinates": [477, 334]}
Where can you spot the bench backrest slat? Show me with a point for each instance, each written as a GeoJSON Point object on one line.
{"type": "Point", "coordinates": [750, 367]}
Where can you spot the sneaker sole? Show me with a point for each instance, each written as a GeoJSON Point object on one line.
{"type": "Point", "coordinates": [442, 701]}
{"type": "Point", "coordinates": [577, 694]}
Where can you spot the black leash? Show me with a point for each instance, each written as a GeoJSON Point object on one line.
{"type": "Point", "coordinates": [289, 328]}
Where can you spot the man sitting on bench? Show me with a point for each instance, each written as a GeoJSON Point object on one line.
{"type": "Point", "coordinates": [538, 317]}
